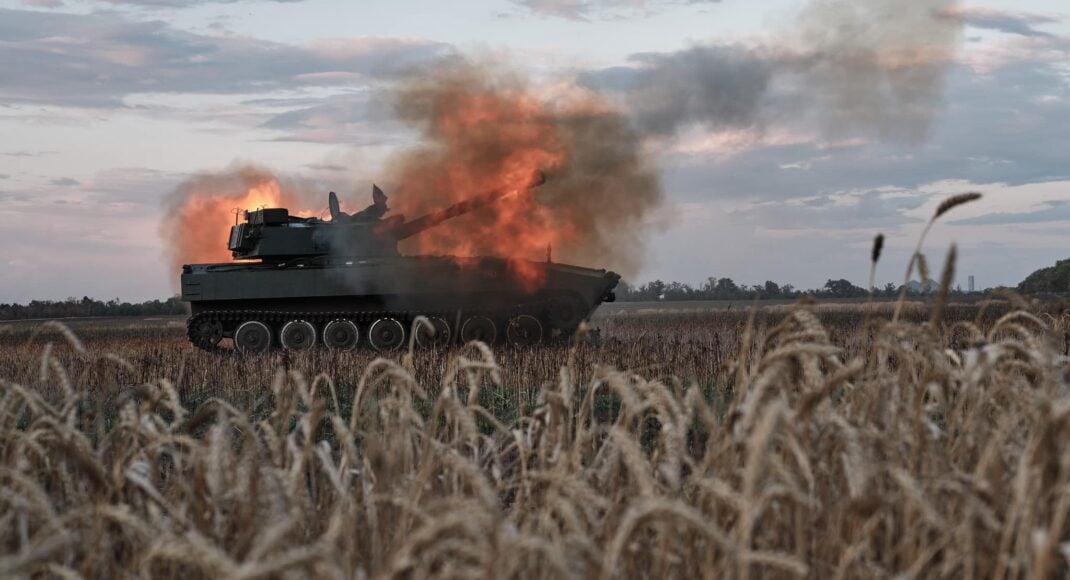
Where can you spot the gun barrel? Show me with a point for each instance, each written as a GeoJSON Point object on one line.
{"type": "Point", "coordinates": [425, 222]}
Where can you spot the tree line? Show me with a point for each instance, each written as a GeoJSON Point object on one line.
{"type": "Point", "coordinates": [711, 289]}
{"type": "Point", "coordinates": [86, 307]}
{"type": "Point", "coordinates": [728, 289]}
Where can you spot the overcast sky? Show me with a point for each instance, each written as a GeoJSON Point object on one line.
{"type": "Point", "coordinates": [105, 106]}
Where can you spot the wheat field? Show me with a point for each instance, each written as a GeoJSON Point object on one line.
{"type": "Point", "coordinates": [853, 448]}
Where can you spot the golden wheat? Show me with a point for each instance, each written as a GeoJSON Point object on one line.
{"type": "Point", "coordinates": [923, 453]}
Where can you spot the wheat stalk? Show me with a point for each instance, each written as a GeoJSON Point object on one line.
{"type": "Point", "coordinates": [933, 450]}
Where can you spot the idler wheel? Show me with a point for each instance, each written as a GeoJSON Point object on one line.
{"type": "Point", "coordinates": [524, 330]}
{"type": "Point", "coordinates": [440, 337]}
{"type": "Point", "coordinates": [386, 334]}
{"type": "Point", "coordinates": [297, 335]}
{"type": "Point", "coordinates": [252, 337]}
{"type": "Point", "coordinates": [566, 311]}
{"type": "Point", "coordinates": [341, 335]}
{"type": "Point", "coordinates": [479, 328]}
{"type": "Point", "coordinates": [207, 333]}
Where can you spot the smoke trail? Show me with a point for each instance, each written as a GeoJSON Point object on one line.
{"type": "Point", "coordinates": [867, 68]}
{"type": "Point", "coordinates": [717, 86]}
{"type": "Point", "coordinates": [880, 64]}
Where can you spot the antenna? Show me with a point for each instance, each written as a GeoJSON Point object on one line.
{"type": "Point", "coordinates": [549, 253]}
{"type": "Point", "coordinates": [237, 210]}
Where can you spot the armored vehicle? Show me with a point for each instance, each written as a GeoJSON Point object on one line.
{"type": "Point", "coordinates": [298, 282]}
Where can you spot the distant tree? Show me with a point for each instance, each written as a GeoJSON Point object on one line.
{"type": "Point", "coordinates": [843, 289]}
{"type": "Point", "coordinates": [1054, 279]}
{"type": "Point", "coordinates": [677, 291]}
{"type": "Point", "coordinates": [727, 289]}
{"type": "Point", "coordinates": [73, 307]}
{"type": "Point", "coordinates": [653, 290]}
{"type": "Point", "coordinates": [724, 288]}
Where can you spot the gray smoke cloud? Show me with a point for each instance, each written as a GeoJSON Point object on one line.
{"type": "Point", "coordinates": [485, 129]}
{"type": "Point", "coordinates": [719, 86]}
{"type": "Point", "coordinates": [869, 68]}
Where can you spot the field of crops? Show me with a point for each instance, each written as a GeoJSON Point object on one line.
{"type": "Point", "coordinates": [693, 343]}
{"type": "Point", "coordinates": [818, 442]}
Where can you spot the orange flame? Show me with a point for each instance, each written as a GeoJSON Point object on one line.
{"type": "Point", "coordinates": [198, 224]}
{"type": "Point", "coordinates": [481, 132]}
{"type": "Point", "coordinates": [485, 139]}
{"type": "Point", "coordinates": [208, 220]}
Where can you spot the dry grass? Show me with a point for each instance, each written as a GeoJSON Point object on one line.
{"type": "Point", "coordinates": [921, 450]}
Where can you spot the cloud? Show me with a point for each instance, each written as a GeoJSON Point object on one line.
{"type": "Point", "coordinates": [25, 153]}
{"type": "Point", "coordinates": [43, 3]}
{"type": "Point", "coordinates": [131, 186]}
{"type": "Point", "coordinates": [1020, 23]}
{"type": "Point", "coordinates": [1051, 211]}
{"type": "Point", "coordinates": [873, 209]}
{"type": "Point", "coordinates": [590, 9]}
{"type": "Point", "coordinates": [352, 118]}
{"type": "Point", "coordinates": [807, 239]}
{"type": "Point", "coordinates": [97, 59]}
{"type": "Point", "coordinates": [104, 192]}
{"type": "Point", "coordinates": [1006, 126]}
{"type": "Point", "coordinates": [71, 244]}
{"type": "Point", "coordinates": [148, 3]}
{"type": "Point", "coordinates": [181, 3]}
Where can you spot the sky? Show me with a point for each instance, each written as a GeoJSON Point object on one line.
{"type": "Point", "coordinates": [779, 159]}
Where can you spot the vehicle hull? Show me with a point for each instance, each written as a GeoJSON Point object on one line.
{"type": "Point", "coordinates": [401, 288]}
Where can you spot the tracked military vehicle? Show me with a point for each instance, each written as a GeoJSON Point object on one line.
{"type": "Point", "coordinates": [299, 282]}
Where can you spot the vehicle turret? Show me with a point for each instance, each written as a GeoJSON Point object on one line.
{"type": "Point", "coordinates": [273, 235]}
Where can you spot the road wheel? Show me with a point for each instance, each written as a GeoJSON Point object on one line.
{"type": "Point", "coordinates": [524, 330]}
{"type": "Point", "coordinates": [206, 333]}
{"type": "Point", "coordinates": [566, 311]}
{"type": "Point", "coordinates": [438, 338]}
{"type": "Point", "coordinates": [297, 335]}
{"type": "Point", "coordinates": [386, 334]}
{"type": "Point", "coordinates": [341, 335]}
{"type": "Point", "coordinates": [479, 328]}
{"type": "Point", "coordinates": [252, 337]}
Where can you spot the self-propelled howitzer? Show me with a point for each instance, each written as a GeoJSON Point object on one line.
{"type": "Point", "coordinates": [343, 283]}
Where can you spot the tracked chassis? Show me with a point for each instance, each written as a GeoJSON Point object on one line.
{"type": "Point", "coordinates": [347, 304]}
